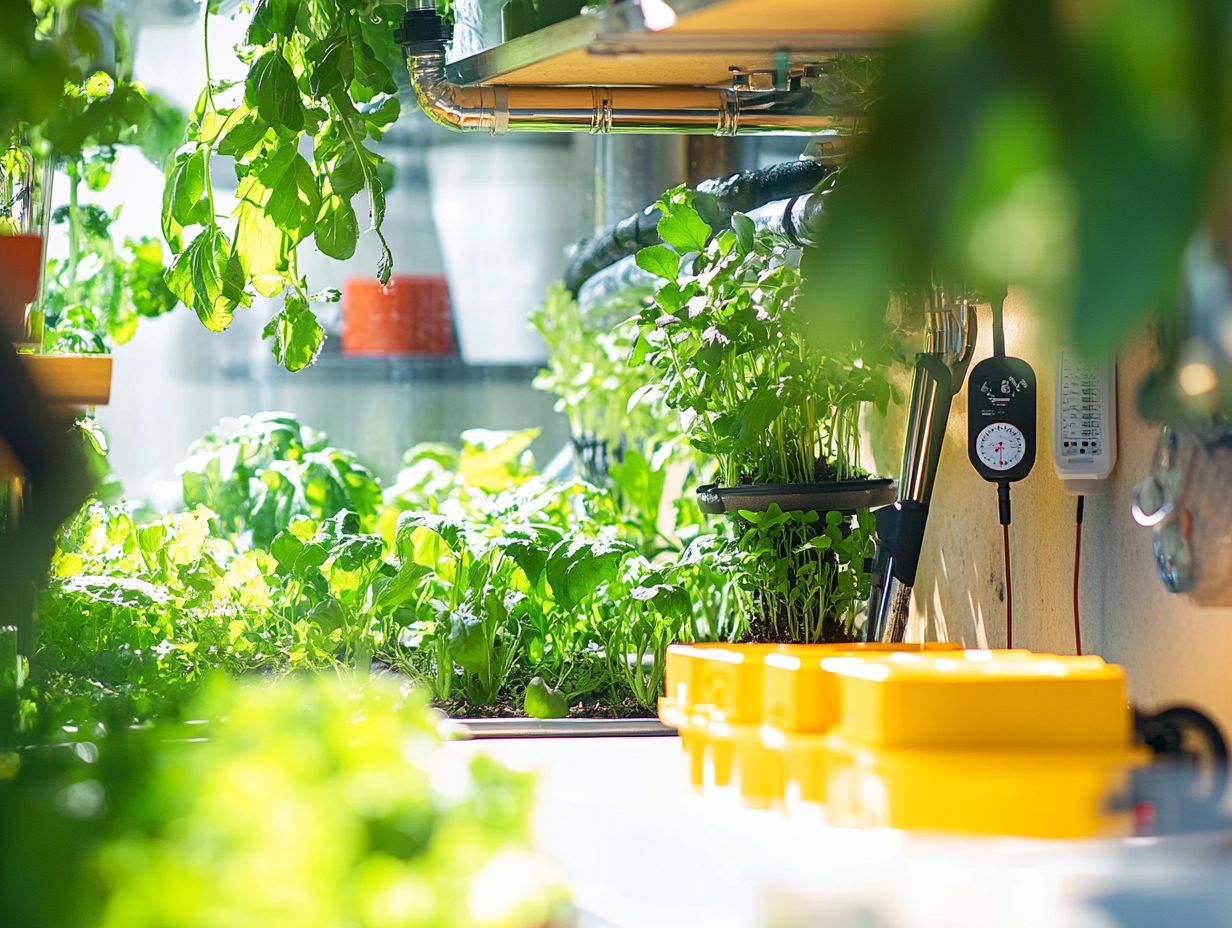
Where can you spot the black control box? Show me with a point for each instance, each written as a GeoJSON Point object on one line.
{"type": "Point", "coordinates": [1001, 419]}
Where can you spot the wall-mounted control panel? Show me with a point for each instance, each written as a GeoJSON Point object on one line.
{"type": "Point", "coordinates": [1085, 435]}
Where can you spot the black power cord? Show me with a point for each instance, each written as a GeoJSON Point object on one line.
{"type": "Point", "coordinates": [1077, 574]}
{"type": "Point", "coordinates": [1009, 589]}
{"type": "Point", "coordinates": [1003, 486]}
{"type": "Point", "coordinates": [1001, 433]}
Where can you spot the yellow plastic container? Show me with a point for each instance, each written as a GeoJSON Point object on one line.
{"type": "Point", "coordinates": [1036, 794]}
{"type": "Point", "coordinates": [983, 700]}
{"type": "Point", "coordinates": [991, 743]}
{"type": "Point", "coordinates": [726, 699]}
{"type": "Point", "coordinates": [805, 764]}
{"type": "Point", "coordinates": [935, 738]}
{"type": "Point", "coordinates": [799, 692]}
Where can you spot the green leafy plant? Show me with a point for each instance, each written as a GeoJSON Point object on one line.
{"type": "Point", "coordinates": [488, 578]}
{"type": "Point", "coordinates": [258, 473]}
{"type": "Point", "coordinates": [319, 91]}
{"type": "Point", "coordinates": [759, 396]}
{"type": "Point", "coordinates": [590, 374]}
{"type": "Point", "coordinates": [314, 801]}
{"type": "Point", "coordinates": [1077, 166]}
{"type": "Point", "coordinates": [354, 592]}
{"type": "Point", "coordinates": [95, 296]}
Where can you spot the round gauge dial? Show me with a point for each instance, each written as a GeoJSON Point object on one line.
{"type": "Point", "coordinates": [1000, 446]}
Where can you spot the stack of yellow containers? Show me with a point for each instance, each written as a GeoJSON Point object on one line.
{"type": "Point", "coordinates": [920, 737]}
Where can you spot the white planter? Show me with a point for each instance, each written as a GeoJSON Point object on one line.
{"type": "Point", "coordinates": [505, 212]}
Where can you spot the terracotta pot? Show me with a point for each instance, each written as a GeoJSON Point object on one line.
{"type": "Point", "coordinates": [21, 257]}
{"type": "Point", "coordinates": [411, 316]}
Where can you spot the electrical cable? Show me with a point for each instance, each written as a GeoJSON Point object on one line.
{"type": "Point", "coordinates": [1003, 487]}
{"type": "Point", "coordinates": [1009, 590]}
{"type": "Point", "coordinates": [998, 327]}
{"type": "Point", "coordinates": [1077, 573]}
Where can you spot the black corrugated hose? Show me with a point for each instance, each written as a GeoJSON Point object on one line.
{"type": "Point", "coordinates": [716, 201]}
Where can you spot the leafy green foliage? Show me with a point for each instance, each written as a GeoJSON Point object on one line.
{"type": "Point", "coordinates": [314, 801]}
{"type": "Point", "coordinates": [473, 574]}
{"type": "Point", "coordinates": [258, 473]}
{"type": "Point", "coordinates": [320, 81]}
{"type": "Point", "coordinates": [1019, 177]}
{"type": "Point", "coordinates": [32, 71]}
{"type": "Point", "coordinates": [590, 374]}
{"type": "Point", "coordinates": [95, 296]}
{"type": "Point", "coordinates": [759, 394]}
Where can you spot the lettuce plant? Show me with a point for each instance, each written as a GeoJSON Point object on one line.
{"type": "Point", "coordinates": [476, 577]}
{"type": "Point", "coordinates": [258, 473]}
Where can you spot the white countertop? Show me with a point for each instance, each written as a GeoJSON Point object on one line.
{"type": "Point", "coordinates": [640, 850]}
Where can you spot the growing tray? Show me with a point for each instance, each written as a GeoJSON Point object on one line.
{"type": "Point", "coordinates": [562, 728]}
{"type": "Point", "coordinates": [835, 496]}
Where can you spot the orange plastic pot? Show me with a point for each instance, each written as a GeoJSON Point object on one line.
{"type": "Point", "coordinates": [410, 316]}
{"type": "Point", "coordinates": [21, 257]}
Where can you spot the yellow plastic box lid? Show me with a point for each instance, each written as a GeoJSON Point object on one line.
{"type": "Point", "coordinates": [983, 701]}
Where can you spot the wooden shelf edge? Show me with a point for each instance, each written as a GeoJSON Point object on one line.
{"type": "Point", "coordinates": [72, 379]}
{"type": "Point", "coordinates": [614, 46]}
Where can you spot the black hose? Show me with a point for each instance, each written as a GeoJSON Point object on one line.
{"type": "Point", "coordinates": [716, 201]}
{"type": "Point", "coordinates": [1164, 733]}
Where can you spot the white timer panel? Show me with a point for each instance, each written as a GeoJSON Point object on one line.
{"type": "Point", "coordinates": [1084, 445]}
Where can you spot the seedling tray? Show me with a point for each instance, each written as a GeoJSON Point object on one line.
{"type": "Point", "coordinates": [845, 496]}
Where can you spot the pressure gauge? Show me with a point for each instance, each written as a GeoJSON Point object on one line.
{"type": "Point", "coordinates": [1001, 418]}
{"type": "Point", "coordinates": [1001, 446]}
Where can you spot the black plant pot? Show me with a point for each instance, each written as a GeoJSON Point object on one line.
{"type": "Point", "coordinates": [844, 496]}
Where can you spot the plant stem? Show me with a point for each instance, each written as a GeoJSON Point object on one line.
{"type": "Point", "coordinates": [73, 169]}
{"type": "Point", "coordinates": [209, 98]}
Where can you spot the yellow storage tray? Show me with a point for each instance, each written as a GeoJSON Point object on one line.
{"type": "Point", "coordinates": [799, 691]}
{"type": "Point", "coordinates": [983, 701]}
{"type": "Point", "coordinates": [1034, 794]}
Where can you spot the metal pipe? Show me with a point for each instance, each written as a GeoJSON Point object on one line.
{"type": "Point", "coordinates": [797, 219]}
{"type": "Point", "coordinates": [688, 110]}
{"type": "Point", "coordinates": [939, 375]}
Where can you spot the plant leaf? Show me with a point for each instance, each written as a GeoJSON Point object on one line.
{"type": "Point", "coordinates": [296, 334]}
{"type": "Point", "coordinates": [660, 261]}
{"type": "Point", "coordinates": [271, 89]}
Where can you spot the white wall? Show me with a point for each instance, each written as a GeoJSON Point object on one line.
{"type": "Point", "coordinates": [1174, 652]}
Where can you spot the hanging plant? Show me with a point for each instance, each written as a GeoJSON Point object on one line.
{"type": "Point", "coordinates": [298, 131]}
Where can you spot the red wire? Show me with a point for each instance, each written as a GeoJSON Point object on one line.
{"type": "Point", "coordinates": [1009, 591]}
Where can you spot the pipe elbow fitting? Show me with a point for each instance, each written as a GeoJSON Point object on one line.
{"type": "Point", "coordinates": [461, 109]}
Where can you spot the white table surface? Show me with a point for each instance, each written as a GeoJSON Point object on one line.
{"type": "Point", "coordinates": [640, 850]}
